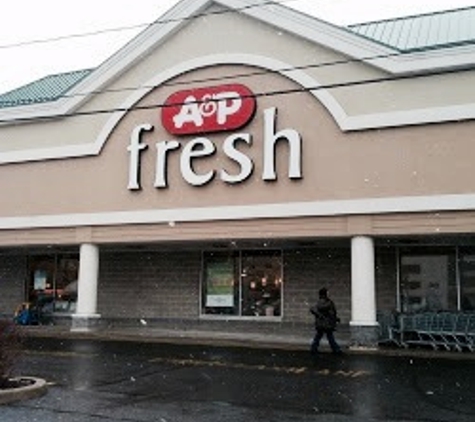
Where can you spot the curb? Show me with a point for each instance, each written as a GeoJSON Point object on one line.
{"type": "Point", "coordinates": [245, 341]}
{"type": "Point", "coordinates": [37, 388]}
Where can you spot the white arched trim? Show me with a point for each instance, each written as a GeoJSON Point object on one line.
{"type": "Point", "coordinates": [343, 120]}
{"type": "Point", "coordinates": [298, 76]}
{"type": "Point", "coordinates": [269, 64]}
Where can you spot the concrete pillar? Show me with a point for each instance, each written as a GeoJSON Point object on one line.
{"type": "Point", "coordinates": [86, 316]}
{"type": "Point", "coordinates": [363, 325]}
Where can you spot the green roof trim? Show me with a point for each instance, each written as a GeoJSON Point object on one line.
{"type": "Point", "coordinates": [437, 30]}
{"type": "Point", "coordinates": [47, 89]}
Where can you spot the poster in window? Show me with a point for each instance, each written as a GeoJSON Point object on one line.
{"type": "Point", "coordinates": [40, 278]}
{"type": "Point", "coordinates": [220, 284]}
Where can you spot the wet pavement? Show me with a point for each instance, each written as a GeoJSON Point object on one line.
{"type": "Point", "coordinates": [95, 379]}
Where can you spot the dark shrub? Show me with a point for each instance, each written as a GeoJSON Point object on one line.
{"type": "Point", "coordinates": [10, 349]}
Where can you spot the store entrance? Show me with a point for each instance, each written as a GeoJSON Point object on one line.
{"type": "Point", "coordinates": [52, 284]}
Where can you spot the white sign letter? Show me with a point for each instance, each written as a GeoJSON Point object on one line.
{"type": "Point", "coordinates": [228, 103]}
{"type": "Point", "coordinates": [134, 162]}
{"type": "Point", "coordinates": [198, 147]}
{"type": "Point", "coordinates": [270, 140]}
{"type": "Point", "coordinates": [189, 113]}
{"type": "Point", "coordinates": [161, 163]}
{"type": "Point", "coordinates": [244, 162]}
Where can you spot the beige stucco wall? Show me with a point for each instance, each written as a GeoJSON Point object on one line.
{"type": "Point", "coordinates": [429, 160]}
{"type": "Point", "coordinates": [424, 160]}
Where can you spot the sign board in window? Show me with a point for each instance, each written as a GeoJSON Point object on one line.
{"type": "Point", "coordinates": [40, 278]}
{"type": "Point", "coordinates": [220, 283]}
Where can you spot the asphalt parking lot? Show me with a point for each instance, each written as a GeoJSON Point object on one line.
{"type": "Point", "coordinates": [93, 379]}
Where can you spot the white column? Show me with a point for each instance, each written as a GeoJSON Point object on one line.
{"type": "Point", "coordinates": [363, 289]}
{"type": "Point", "coordinates": [86, 306]}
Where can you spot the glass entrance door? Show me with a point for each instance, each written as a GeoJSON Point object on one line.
{"type": "Point", "coordinates": [52, 285]}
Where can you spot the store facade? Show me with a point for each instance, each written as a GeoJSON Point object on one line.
{"type": "Point", "coordinates": [185, 181]}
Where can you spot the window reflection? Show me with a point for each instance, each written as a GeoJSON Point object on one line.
{"type": "Point", "coordinates": [428, 280]}
{"type": "Point", "coordinates": [261, 283]}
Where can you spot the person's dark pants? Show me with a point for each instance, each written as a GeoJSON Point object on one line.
{"type": "Point", "coordinates": [331, 340]}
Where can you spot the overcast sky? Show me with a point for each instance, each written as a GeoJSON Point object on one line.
{"type": "Point", "coordinates": [24, 21]}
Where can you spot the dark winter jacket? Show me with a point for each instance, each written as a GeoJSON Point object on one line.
{"type": "Point", "coordinates": [325, 314]}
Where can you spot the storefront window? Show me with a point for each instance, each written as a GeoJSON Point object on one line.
{"type": "Point", "coordinates": [467, 279]}
{"type": "Point", "coordinates": [428, 281]}
{"type": "Point", "coordinates": [247, 283]}
{"type": "Point", "coordinates": [52, 286]}
{"type": "Point", "coordinates": [261, 283]}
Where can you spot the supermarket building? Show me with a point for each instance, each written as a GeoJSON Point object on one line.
{"type": "Point", "coordinates": [189, 181]}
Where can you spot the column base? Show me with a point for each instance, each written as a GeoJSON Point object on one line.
{"type": "Point", "coordinates": [85, 323]}
{"type": "Point", "coordinates": [364, 337]}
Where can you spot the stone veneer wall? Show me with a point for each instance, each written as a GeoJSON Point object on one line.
{"type": "Point", "coordinates": [149, 285]}
{"type": "Point", "coordinates": [165, 286]}
{"type": "Point", "coordinates": [306, 271]}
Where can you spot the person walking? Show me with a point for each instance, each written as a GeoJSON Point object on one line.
{"type": "Point", "coordinates": [326, 319]}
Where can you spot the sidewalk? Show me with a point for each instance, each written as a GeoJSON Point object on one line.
{"type": "Point", "coordinates": [188, 336]}
{"type": "Point", "coordinates": [290, 342]}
